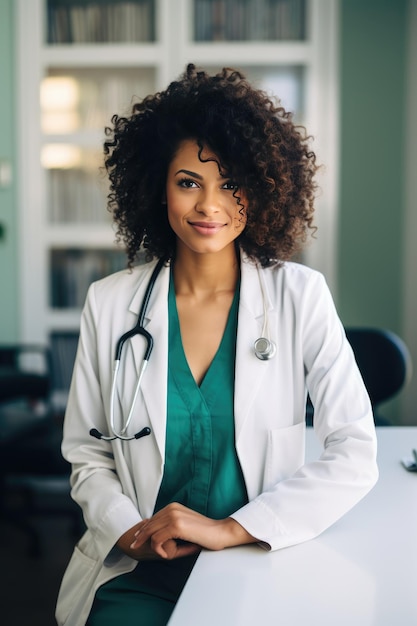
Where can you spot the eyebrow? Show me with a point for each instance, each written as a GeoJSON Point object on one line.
{"type": "Point", "coordinates": [189, 173]}
{"type": "Point", "coordinates": [198, 176]}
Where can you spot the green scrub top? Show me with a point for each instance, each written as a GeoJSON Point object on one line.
{"type": "Point", "coordinates": [200, 429]}
{"type": "Point", "coordinates": [201, 471]}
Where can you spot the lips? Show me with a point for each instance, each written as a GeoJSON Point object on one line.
{"type": "Point", "coordinates": [207, 228]}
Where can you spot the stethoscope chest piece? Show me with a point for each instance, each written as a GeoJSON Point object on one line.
{"type": "Point", "coordinates": [264, 348]}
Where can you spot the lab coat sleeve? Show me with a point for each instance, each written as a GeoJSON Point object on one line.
{"type": "Point", "coordinates": [108, 508]}
{"type": "Point", "coordinates": [304, 504]}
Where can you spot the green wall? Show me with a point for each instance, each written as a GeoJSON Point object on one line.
{"type": "Point", "coordinates": [373, 57]}
{"type": "Point", "coordinates": [9, 326]}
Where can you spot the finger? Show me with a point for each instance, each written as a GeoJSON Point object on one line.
{"type": "Point", "coordinates": [168, 550]}
{"type": "Point", "coordinates": [172, 522]}
{"type": "Point", "coordinates": [142, 534]}
{"type": "Point", "coordinates": [159, 529]}
{"type": "Point", "coordinates": [174, 549]}
{"type": "Point", "coordinates": [141, 525]}
{"type": "Point", "coordinates": [139, 540]}
{"type": "Point", "coordinates": [187, 549]}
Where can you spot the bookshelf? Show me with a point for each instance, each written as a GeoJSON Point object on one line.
{"type": "Point", "coordinates": [94, 21]}
{"type": "Point", "coordinates": [81, 61]}
{"type": "Point", "coordinates": [250, 20]}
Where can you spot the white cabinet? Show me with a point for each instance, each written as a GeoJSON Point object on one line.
{"type": "Point", "coordinates": [81, 61]}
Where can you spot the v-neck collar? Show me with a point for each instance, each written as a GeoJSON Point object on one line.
{"type": "Point", "coordinates": [175, 325]}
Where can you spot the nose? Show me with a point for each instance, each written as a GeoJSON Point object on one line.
{"type": "Point", "coordinates": [208, 201]}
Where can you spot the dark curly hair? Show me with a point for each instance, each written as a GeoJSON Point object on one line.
{"type": "Point", "coordinates": [255, 141]}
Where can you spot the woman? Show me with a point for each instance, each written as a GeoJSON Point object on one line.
{"type": "Point", "coordinates": [213, 179]}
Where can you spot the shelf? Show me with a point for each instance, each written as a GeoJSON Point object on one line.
{"type": "Point", "coordinates": [102, 55]}
{"type": "Point", "coordinates": [250, 53]}
{"type": "Point", "coordinates": [63, 320]}
{"type": "Point", "coordinates": [93, 139]}
{"type": "Point", "coordinates": [94, 236]}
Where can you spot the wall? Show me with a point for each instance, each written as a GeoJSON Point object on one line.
{"type": "Point", "coordinates": [373, 56]}
{"type": "Point", "coordinates": [410, 231]}
{"type": "Point", "coordinates": [8, 213]}
{"type": "Point", "coordinates": [372, 219]}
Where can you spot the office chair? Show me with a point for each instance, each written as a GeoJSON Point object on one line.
{"type": "Point", "coordinates": [24, 393]}
{"type": "Point", "coordinates": [384, 362]}
{"type": "Point", "coordinates": [34, 478]}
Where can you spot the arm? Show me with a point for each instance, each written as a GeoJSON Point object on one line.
{"type": "Point", "coordinates": [177, 531]}
{"type": "Point", "coordinates": [96, 486]}
{"type": "Point", "coordinates": [303, 502]}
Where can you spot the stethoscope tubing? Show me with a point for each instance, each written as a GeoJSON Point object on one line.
{"type": "Point", "coordinates": [264, 349]}
{"type": "Point", "coordinates": [138, 329]}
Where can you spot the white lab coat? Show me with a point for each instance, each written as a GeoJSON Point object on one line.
{"type": "Point", "coordinates": [117, 483]}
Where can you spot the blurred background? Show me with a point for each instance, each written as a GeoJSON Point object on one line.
{"type": "Point", "coordinates": [347, 71]}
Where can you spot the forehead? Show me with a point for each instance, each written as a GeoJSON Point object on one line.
{"type": "Point", "coordinates": [189, 149]}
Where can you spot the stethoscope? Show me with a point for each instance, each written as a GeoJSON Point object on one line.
{"type": "Point", "coordinates": [264, 349]}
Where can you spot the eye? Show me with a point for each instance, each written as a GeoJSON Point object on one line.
{"type": "Point", "coordinates": [230, 185]}
{"type": "Point", "coordinates": [187, 183]}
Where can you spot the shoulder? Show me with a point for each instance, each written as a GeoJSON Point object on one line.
{"type": "Point", "coordinates": [119, 288]}
{"type": "Point", "coordinates": [293, 272]}
{"type": "Point", "coordinates": [294, 280]}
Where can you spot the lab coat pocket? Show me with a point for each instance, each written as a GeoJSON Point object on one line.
{"type": "Point", "coordinates": [76, 585]}
{"type": "Point", "coordinates": [285, 453]}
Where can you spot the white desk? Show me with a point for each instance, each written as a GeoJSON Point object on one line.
{"type": "Point", "coordinates": [360, 572]}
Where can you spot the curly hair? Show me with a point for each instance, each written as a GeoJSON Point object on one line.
{"type": "Point", "coordinates": [255, 142]}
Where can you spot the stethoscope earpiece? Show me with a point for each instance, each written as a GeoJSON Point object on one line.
{"type": "Point", "coordinates": [264, 348]}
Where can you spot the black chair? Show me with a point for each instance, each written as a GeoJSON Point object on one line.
{"type": "Point", "coordinates": [34, 478]}
{"type": "Point", "coordinates": [384, 362]}
{"type": "Point", "coordinates": [24, 392]}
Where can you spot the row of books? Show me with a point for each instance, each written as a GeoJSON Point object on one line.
{"type": "Point", "coordinates": [107, 21]}
{"type": "Point", "coordinates": [111, 21]}
{"type": "Point", "coordinates": [76, 196]}
{"type": "Point", "coordinates": [249, 20]}
{"type": "Point", "coordinates": [73, 271]}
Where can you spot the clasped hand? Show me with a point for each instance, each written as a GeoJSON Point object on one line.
{"type": "Point", "coordinates": [177, 531]}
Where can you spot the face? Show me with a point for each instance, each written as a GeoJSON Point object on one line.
{"type": "Point", "coordinates": [202, 210]}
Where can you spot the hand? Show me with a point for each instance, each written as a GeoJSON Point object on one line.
{"type": "Point", "coordinates": [142, 553]}
{"type": "Point", "coordinates": [145, 552]}
{"type": "Point", "coordinates": [177, 531]}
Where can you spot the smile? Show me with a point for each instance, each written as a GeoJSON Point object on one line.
{"type": "Point", "coordinates": [207, 228]}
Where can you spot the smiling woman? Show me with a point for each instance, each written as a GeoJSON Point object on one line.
{"type": "Point", "coordinates": [203, 210]}
{"type": "Point", "coordinates": [215, 183]}
{"type": "Point", "coordinates": [251, 138]}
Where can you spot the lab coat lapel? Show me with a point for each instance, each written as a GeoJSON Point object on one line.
{"type": "Point", "coordinates": [154, 382]}
{"type": "Point", "coordinates": [249, 370]}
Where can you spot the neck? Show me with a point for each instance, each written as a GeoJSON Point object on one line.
{"type": "Point", "coordinates": [205, 273]}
